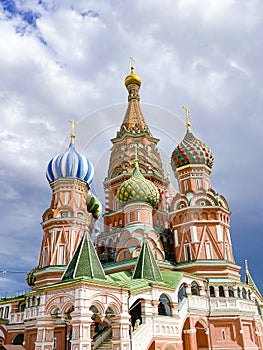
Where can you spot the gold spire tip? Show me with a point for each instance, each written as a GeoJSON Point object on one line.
{"type": "Point", "coordinates": [246, 265]}
{"type": "Point", "coordinates": [187, 122]}
{"type": "Point", "coordinates": [72, 134]}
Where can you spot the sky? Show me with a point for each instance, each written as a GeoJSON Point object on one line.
{"type": "Point", "coordinates": [63, 60]}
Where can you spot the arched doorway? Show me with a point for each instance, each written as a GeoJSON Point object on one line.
{"type": "Point", "coordinates": [136, 313]}
{"type": "Point", "coordinates": [201, 336]}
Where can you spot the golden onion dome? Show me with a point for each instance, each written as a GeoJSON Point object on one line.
{"type": "Point", "coordinates": [132, 78]}
{"type": "Point", "coordinates": [138, 189]}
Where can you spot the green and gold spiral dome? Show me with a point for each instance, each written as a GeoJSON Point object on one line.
{"type": "Point", "coordinates": [138, 189]}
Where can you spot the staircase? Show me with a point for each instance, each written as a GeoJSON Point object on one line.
{"type": "Point", "coordinates": [103, 341]}
{"type": "Point", "coordinates": [106, 345]}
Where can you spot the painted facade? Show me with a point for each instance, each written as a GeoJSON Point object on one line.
{"type": "Point", "coordinates": [161, 275]}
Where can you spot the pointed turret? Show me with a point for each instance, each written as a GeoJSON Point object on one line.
{"type": "Point", "coordinates": [249, 280]}
{"type": "Point", "coordinates": [146, 267]}
{"type": "Point", "coordinates": [85, 262]}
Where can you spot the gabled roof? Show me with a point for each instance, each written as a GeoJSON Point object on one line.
{"type": "Point", "coordinates": [85, 262]}
{"type": "Point", "coordinates": [146, 267]}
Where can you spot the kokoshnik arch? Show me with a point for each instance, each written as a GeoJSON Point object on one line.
{"type": "Point", "coordinates": [161, 275]}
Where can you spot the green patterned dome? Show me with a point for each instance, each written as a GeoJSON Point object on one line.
{"type": "Point", "coordinates": [93, 205]}
{"type": "Point", "coordinates": [138, 189]}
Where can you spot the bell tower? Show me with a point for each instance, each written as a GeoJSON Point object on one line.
{"type": "Point", "coordinates": [133, 131]}
{"type": "Point", "coordinates": [199, 216]}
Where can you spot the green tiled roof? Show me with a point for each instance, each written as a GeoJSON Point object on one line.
{"type": "Point", "coordinates": [249, 280]}
{"type": "Point", "coordinates": [146, 267]}
{"type": "Point", "coordinates": [85, 262]}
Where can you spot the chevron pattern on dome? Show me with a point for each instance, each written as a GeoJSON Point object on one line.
{"type": "Point", "coordinates": [191, 151]}
{"type": "Point", "coordinates": [70, 164]}
{"type": "Point", "coordinates": [138, 189]}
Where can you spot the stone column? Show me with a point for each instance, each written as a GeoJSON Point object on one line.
{"type": "Point", "coordinates": [45, 334]}
{"type": "Point", "coordinates": [154, 304]}
{"type": "Point", "coordinates": [120, 332]}
{"type": "Point", "coordinates": [81, 330]}
{"type": "Point", "coordinates": [174, 309]}
{"type": "Point", "coordinates": [190, 339]}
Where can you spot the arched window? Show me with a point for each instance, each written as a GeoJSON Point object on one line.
{"type": "Point", "coordinates": [194, 288]}
{"type": "Point", "coordinates": [231, 292]}
{"type": "Point", "coordinates": [244, 293]}
{"type": "Point", "coordinates": [181, 293]}
{"type": "Point", "coordinates": [19, 339]}
{"type": "Point", "coordinates": [238, 292]}
{"type": "Point", "coordinates": [164, 306]}
{"type": "Point", "coordinates": [212, 292]}
{"type": "Point", "coordinates": [221, 291]}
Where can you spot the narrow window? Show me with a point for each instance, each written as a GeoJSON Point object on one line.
{"type": "Point", "coordinates": [139, 215]}
{"type": "Point", "coordinates": [128, 217]}
{"type": "Point", "coordinates": [6, 312]}
{"type": "Point", "coordinates": [187, 252]}
{"type": "Point", "coordinates": [54, 343]}
{"type": "Point", "coordinates": [212, 292]}
{"type": "Point", "coordinates": [124, 256]}
{"type": "Point", "coordinates": [66, 198]}
{"type": "Point", "coordinates": [61, 254]}
{"type": "Point", "coordinates": [175, 238]}
{"type": "Point", "coordinates": [185, 185]}
{"type": "Point", "coordinates": [198, 185]}
{"type": "Point", "coordinates": [208, 250]}
{"type": "Point", "coordinates": [45, 256]}
{"type": "Point", "coordinates": [223, 334]}
{"type": "Point", "coordinates": [227, 252]}
{"type": "Point", "coordinates": [221, 292]}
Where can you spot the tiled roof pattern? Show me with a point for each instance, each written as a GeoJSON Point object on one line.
{"type": "Point", "coordinates": [146, 267]}
{"type": "Point", "coordinates": [85, 262]}
{"type": "Point", "coordinates": [138, 189]}
{"type": "Point", "coordinates": [191, 151]}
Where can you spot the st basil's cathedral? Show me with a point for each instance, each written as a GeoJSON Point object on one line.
{"type": "Point", "coordinates": [161, 275]}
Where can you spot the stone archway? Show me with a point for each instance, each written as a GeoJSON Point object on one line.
{"type": "Point", "coordinates": [202, 340]}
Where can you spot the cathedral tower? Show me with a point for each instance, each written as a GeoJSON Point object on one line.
{"type": "Point", "coordinates": [69, 175]}
{"type": "Point", "coordinates": [200, 217]}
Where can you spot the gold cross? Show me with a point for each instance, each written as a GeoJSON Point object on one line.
{"type": "Point", "coordinates": [72, 135]}
{"type": "Point", "coordinates": [132, 62]}
{"type": "Point", "coordinates": [187, 122]}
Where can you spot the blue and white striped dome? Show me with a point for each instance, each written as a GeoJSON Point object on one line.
{"type": "Point", "coordinates": [70, 164]}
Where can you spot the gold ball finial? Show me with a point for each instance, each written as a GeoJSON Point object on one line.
{"type": "Point", "coordinates": [132, 78]}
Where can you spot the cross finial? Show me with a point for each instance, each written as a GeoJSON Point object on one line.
{"type": "Point", "coordinates": [132, 64]}
{"type": "Point", "coordinates": [72, 135]}
{"type": "Point", "coordinates": [187, 122]}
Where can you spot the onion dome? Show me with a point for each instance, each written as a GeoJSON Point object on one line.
{"type": "Point", "coordinates": [93, 205]}
{"type": "Point", "coordinates": [138, 189]}
{"type": "Point", "coordinates": [191, 150]}
{"type": "Point", "coordinates": [132, 78]}
{"type": "Point", "coordinates": [70, 164]}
